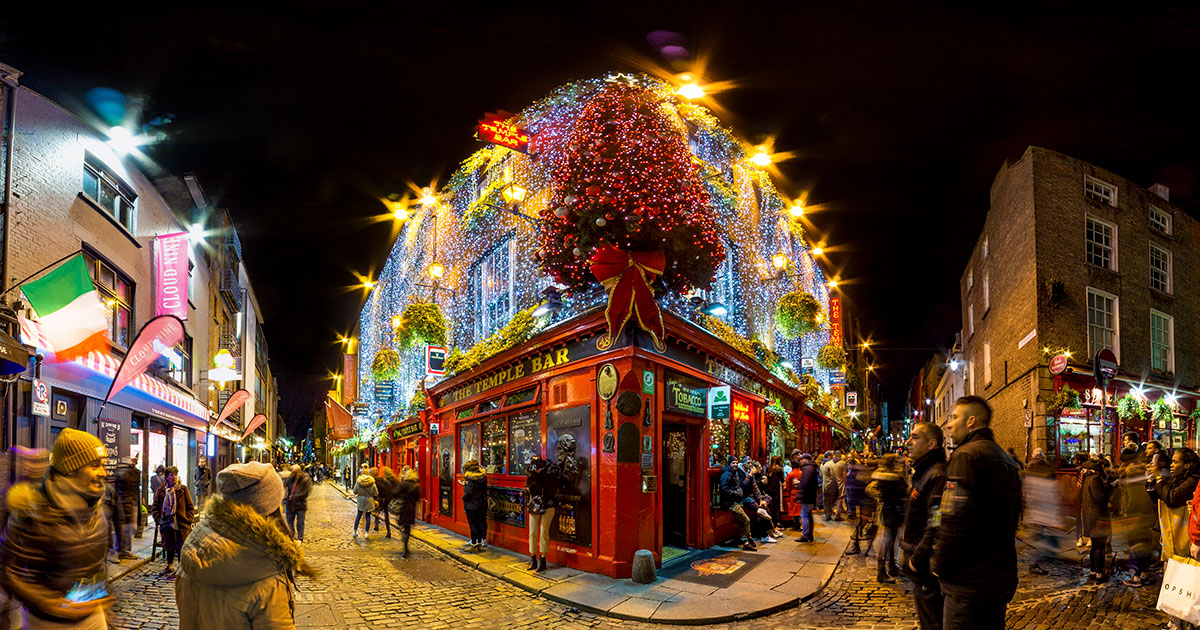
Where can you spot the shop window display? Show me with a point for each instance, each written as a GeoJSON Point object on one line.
{"type": "Point", "coordinates": [741, 440]}
{"type": "Point", "coordinates": [525, 439]}
{"type": "Point", "coordinates": [468, 444]}
{"type": "Point", "coordinates": [1082, 431]}
{"type": "Point", "coordinates": [718, 432]}
{"type": "Point", "coordinates": [493, 458]}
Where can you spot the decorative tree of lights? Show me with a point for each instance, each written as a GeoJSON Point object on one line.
{"type": "Point", "coordinates": [628, 180]}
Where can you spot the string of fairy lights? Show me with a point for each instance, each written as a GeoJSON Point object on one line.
{"type": "Point", "coordinates": [445, 249]}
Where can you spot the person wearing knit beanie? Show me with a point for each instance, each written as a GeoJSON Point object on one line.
{"type": "Point", "coordinates": [74, 450]}
{"type": "Point", "coordinates": [255, 484]}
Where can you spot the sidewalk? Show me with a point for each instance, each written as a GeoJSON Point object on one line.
{"type": "Point", "coordinates": [779, 576]}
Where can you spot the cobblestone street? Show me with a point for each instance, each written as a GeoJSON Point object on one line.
{"type": "Point", "coordinates": [366, 584]}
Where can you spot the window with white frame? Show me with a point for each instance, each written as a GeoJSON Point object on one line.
{"type": "Point", "coordinates": [987, 301]}
{"type": "Point", "coordinates": [104, 188]}
{"type": "Point", "coordinates": [1160, 220]}
{"type": "Point", "coordinates": [1102, 321]}
{"type": "Point", "coordinates": [116, 292]}
{"type": "Point", "coordinates": [987, 362]}
{"type": "Point", "coordinates": [1098, 190]}
{"type": "Point", "coordinates": [1160, 268]}
{"type": "Point", "coordinates": [970, 376]}
{"type": "Point", "coordinates": [1101, 243]}
{"type": "Point", "coordinates": [1162, 341]}
{"type": "Point", "coordinates": [985, 246]}
{"type": "Point", "coordinates": [970, 319]}
{"type": "Point", "coordinates": [722, 290]}
{"type": "Point", "coordinates": [494, 277]}
{"type": "Point", "coordinates": [970, 279]}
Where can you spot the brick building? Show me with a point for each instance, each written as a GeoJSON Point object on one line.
{"type": "Point", "coordinates": [1072, 259]}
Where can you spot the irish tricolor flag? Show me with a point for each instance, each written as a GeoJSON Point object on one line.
{"type": "Point", "coordinates": [69, 311]}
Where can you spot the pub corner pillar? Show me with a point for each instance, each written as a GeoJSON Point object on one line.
{"type": "Point", "coordinates": [627, 514]}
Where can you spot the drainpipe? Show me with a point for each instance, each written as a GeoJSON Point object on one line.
{"type": "Point", "coordinates": [8, 87]}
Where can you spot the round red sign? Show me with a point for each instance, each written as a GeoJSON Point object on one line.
{"type": "Point", "coordinates": [1058, 364]}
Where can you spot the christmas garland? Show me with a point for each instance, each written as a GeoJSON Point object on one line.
{"type": "Point", "coordinates": [415, 404]}
{"type": "Point", "coordinates": [831, 357]}
{"type": "Point", "coordinates": [382, 442]}
{"type": "Point", "coordinates": [1065, 398]}
{"type": "Point", "coordinates": [523, 326]}
{"type": "Point", "coordinates": [753, 348]}
{"type": "Point", "coordinates": [1129, 408]}
{"type": "Point", "coordinates": [421, 322]}
{"type": "Point", "coordinates": [1162, 411]}
{"type": "Point", "coordinates": [386, 364]}
{"type": "Point", "coordinates": [797, 314]}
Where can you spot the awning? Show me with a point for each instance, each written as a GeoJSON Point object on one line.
{"type": "Point", "coordinates": [14, 358]}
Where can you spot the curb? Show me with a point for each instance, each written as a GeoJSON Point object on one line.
{"type": "Point", "coordinates": [482, 564]}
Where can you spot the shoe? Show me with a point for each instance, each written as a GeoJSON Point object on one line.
{"type": "Point", "coordinates": [113, 559]}
{"type": "Point", "coordinates": [389, 534]}
{"type": "Point", "coordinates": [893, 570]}
{"type": "Point", "coordinates": [355, 534]}
{"type": "Point", "coordinates": [838, 519]}
{"type": "Point", "coordinates": [804, 539]}
{"type": "Point", "coordinates": [750, 546]}
{"type": "Point", "coordinates": [533, 562]}
{"type": "Point", "coordinates": [479, 547]}
{"type": "Point", "coordinates": [767, 539]}
{"type": "Point", "coordinates": [170, 569]}
{"type": "Point", "coordinates": [882, 577]}
{"type": "Point", "coordinates": [125, 555]}
{"type": "Point", "coordinates": [853, 550]}
{"type": "Point", "coordinates": [1135, 581]}
{"type": "Point", "coordinates": [541, 564]}
{"type": "Point", "coordinates": [366, 535]}
{"type": "Point", "coordinates": [405, 553]}
{"type": "Point", "coordinates": [1037, 569]}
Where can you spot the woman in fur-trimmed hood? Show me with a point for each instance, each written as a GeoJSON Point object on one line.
{"type": "Point", "coordinates": [237, 567]}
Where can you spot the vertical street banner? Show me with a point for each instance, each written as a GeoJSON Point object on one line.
{"type": "Point", "coordinates": [339, 421]}
{"type": "Point", "coordinates": [236, 399]}
{"type": "Point", "coordinates": [835, 321]}
{"type": "Point", "coordinates": [171, 274]}
{"type": "Point", "coordinates": [349, 378]}
{"type": "Point", "coordinates": [255, 422]}
{"type": "Point", "coordinates": [164, 331]}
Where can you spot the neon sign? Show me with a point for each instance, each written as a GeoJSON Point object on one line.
{"type": "Point", "coordinates": [495, 130]}
{"type": "Point", "coordinates": [835, 321]}
{"type": "Point", "coordinates": [741, 410]}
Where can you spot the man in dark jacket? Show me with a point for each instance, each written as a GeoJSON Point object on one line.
{"type": "Point", "coordinates": [299, 485]}
{"type": "Point", "coordinates": [730, 487]}
{"type": "Point", "coordinates": [925, 447]}
{"type": "Point", "coordinates": [807, 496]}
{"type": "Point", "coordinates": [203, 482]}
{"type": "Point", "coordinates": [974, 556]}
{"type": "Point", "coordinates": [127, 482]}
{"type": "Point", "coordinates": [386, 481]}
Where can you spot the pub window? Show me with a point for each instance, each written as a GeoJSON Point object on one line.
{"type": "Point", "coordinates": [489, 405]}
{"type": "Point", "coordinates": [718, 431]}
{"type": "Point", "coordinates": [495, 446]}
{"type": "Point", "coordinates": [741, 440]}
{"type": "Point", "coordinates": [103, 188]}
{"type": "Point", "coordinates": [468, 444]}
{"type": "Point", "coordinates": [521, 397]}
{"type": "Point", "coordinates": [524, 438]}
{"type": "Point", "coordinates": [465, 413]}
{"type": "Point", "coordinates": [116, 292]}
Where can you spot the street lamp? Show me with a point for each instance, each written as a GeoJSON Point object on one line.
{"type": "Point", "coordinates": [779, 260]}
{"type": "Point", "coordinates": [368, 284]}
{"type": "Point", "coordinates": [797, 210]}
{"type": "Point", "coordinates": [761, 158]}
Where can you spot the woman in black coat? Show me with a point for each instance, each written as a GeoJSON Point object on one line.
{"type": "Point", "coordinates": [474, 500]}
{"type": "Point", "coordinates": [541, 488]}
{"type": "Point", "coordinates": [1095, 514]}
{"type": "Point", "coordinates": [408, 492]}
{"type": "Point", "coordinates": [890, 490]}
{"type": "Point", "coordinates": [1175, 490]}
{"type": "Point", "coordinates": [774, 489]}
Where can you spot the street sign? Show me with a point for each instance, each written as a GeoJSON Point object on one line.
{"type": "Point", "coordinates": [434, 427]}
{"type": "Point", "coordinates": [494, 129]}
{"type": "Point", "coordinates": [1105, 367]}
{"type": "Point", "coordinates": [385, 391]}
{"type": "Point", "coordinates": [807, 366]}
{"type": "Point", "coordinates": [1028, 418]}
{"type": "Point", "coordinates": [647, 381]}
{"type": "Point", "coordinates": [837, 377]}
{"type": "Point", "coordinates": [851, 399]}
{"type": "Point", "coordinates": [435, 360]}
{"type": "Point", "coordinates": [41, 398]}
{"type": "Point", "coordinates": [718, 402]}
{"type": "Point", "coordinates": [1058, 364]}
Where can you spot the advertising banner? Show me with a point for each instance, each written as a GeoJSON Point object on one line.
{"type": "Point", "coordinates": [350, 372]}
{"type": "Point", "coordinates": [171, 275]}
{"type": "Point", "coordinates": [506, 505]}
{"type": "Point", "coordinates": [236, 399]}
{"type": "Point", "coordinates": [162, 331]}
{"type": "Point", "coordinates": [568, 444]}
{"type": "Point", "coordinates": [835, 321]}
{"type": "Point", "coordinates": [255, 422]}
{"type": "Point", "coordinates": [443, 467]}
{"type": "Point", "coordinates": [339, 421]}
{"type": "Point", "coordinates": [110, 436]}
{"type": "Point", "coordinates": [685, 395]}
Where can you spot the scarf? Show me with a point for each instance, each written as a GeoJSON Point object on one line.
{"type": "Point", "coordinates": [168, 507]}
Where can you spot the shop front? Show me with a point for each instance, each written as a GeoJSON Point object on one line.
{"type": "Point", "coordinates": [628, 427]}
{"type": "Point", "coordinates": [409, 443]}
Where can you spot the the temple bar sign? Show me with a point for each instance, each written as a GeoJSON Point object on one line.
{"type": "Point", "coordinates": [539, 361]}
{"type": "Point", "coordinates": [495, 130]}
{"type": "Point", "coordinates": [406, 430]}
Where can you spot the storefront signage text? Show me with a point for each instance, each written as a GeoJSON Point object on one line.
{"type": "Point", "coordinates": [506, 505]}
{"type": "Point", "coordinates": [495, 130]}
{"type": "Point", "coordinates": [835, 321]}
{"type": "Point", "coordinates": [533, 364]}
{"type": "Point", "coordinates": [741, 410]}
{"type": "Point", "coordinates": [406, 430]}
{"type": "Point", "coordinates": [172, 274]}
{"type": "Point", "coordinates": [684, 395]}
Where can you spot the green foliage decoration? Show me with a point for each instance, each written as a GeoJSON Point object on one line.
{"type": "Point", "coordinates": [831, 357]}
{"type": "Point", "coordinates": [523, 326]}
{"type": "Point", "coordinates": [421, 323]}
{"type": "Point", "coordinates": [1129, 408]}
{"type": "Point", "coordinates": [752, 347]}
{"type": "Point", "coordinates": [797, 314]}
{"type": "Point", "coordinates": [382, 443]}
{"type": "Point", "coordinates": [386, 364]}
{"type": "Point", "coordinates": [415, 404]}
{"type": "Point", "coordinates": [1065, 398]}
{"type": "Point", "coordinates": [1162, 411]}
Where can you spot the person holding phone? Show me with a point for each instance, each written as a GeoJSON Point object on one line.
{"type": "Point", "coordinates": [53, 550]}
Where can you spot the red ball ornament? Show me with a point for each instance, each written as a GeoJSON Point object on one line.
{"type": "Point", "coordinates": [592, 190]}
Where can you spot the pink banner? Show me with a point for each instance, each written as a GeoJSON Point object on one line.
{"type": "Point", "coordinates": [254, 424]}
{"type": "Point", "coordinates": [160, 333]}
{"type": "Point", "coordinates": [236, 399]}
{"type": "Point", "coordinates": [171, 269]}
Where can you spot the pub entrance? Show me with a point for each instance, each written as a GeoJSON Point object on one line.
{"type": "Point", "coordinates": [675, 485]}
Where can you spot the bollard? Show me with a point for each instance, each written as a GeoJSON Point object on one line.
{"type": "Point", "coordinates": [643, 567]}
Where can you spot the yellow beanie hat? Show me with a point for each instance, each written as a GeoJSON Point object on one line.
{"type": "Point", "coordinates": [74, 450]}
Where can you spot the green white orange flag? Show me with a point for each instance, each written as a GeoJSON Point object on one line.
{"type": "Point", "coordinates": [69, 311]}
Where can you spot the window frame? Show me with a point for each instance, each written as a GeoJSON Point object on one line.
{"type": "Point", "coordinates": [987, 363]}
{"type": "Point", "coordinates": [970, 319]}
{"type": "Point", "coordinates": [486, 323]}
{"type": "Point", "coordinates": [123, 191]}
{"type": "Point", "coordinates": [1168, 272]}
{"type": "Point", "coordinates": [1087, 242]}
{"type": "Point", "coordinates": [1091, 186]}
{"type": "Point", "coordinates": [1116, 321]}
{"type": "Point", "coordinates": [1170, 345]}
{"type": "Point", "coordinates": [96, 264]}
{"type": "Point", "coordinates": [987, 299]}
{"type": "Point", "coordinates": [1166, 220]}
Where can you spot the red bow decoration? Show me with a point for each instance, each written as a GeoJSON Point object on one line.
{"type": "Point", "coordinates": [627, 276]}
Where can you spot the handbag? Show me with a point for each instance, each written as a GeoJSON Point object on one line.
{"type": "Point", "coordinates": [1173, 524]}
{"type": "Point", "coordinates": [1179, 595]}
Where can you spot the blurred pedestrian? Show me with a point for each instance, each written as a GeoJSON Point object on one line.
{"type": "Point", "coordinates": [974, 554]}
{"type": "Point", "coordinates": [127, 487]}
{"type": "Point", "coordinates": [408, 493]}
{"type": "Point", "coordinates": [858, 475]}
{"type": "Point", "coordinates": [829, 487]}
{"type": "Point", "coordinates": [1173, 489]}
{"type": "Point", "coordinates": [1016, 460]}
{"type": "Point", "coordinates": [174, 514]}
{"type": "Point", "coordinates": [1137, 515]}
{"type": "Point", "coordinates": [1095, 515]}
{"type": "Point", "coordinates": [297, 487]}
{"type": "Point", "coordinates": [889, 489]}
{"type": "Point", "coordinates": [801, 490]}
{"type": "Point", "coordinates": [56, 538]}
{"type": "Point", "coordinates": [385, 481]}
{"type": "Point", "coordinates": [541, 488]}
{"type": "Point", "coordinates": [474, 500]}
{"type": "Point", "coordinates": [203, 483]}
{"type": "Point", "coordinates": [925, 447]}
{"type": "Point", "coordinates": [156, 482]}
{"type": "Point", "coordinates": [365, 490]}
{"type": "Point", "coordinates": [346, 479]}
{"type": "Point", "coordinates": [839, 471]}
{"type": "Point", "coordinates": [1043, 511]}
{"type": "Point", "coordinates": [239, 564]}
{"type": "Point", "coordinates": [774, 489]}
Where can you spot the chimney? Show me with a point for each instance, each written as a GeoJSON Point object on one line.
{"type": "Point", "coordinates": [1162, 191]}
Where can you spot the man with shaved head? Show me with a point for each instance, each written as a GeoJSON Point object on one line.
{"type": "Point", "coordinates": [974, 553]}
{"type": "Point", "coordinates": [925, 447]}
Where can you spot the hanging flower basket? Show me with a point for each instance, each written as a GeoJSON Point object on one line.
{"type": "Point", "coordinates": [797, 314]}
{"type": "Point", "coordinates": [1129, 408]}
{"type": "Point", "coordinates": [421, 323]}
{"type": "Point", "coordinates": [382, 443]}
{"type": "Point", "coordinates": [1066, 398]}
{"type": "Point", "coordinates": [1163, 412]}
{"type": "Point", "coordinates": [386, 365]}
{"type": "Point", "coordinates": [831, 357]}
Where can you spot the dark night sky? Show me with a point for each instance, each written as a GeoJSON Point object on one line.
{"type": "Point", "coordinates": [299, 121]}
